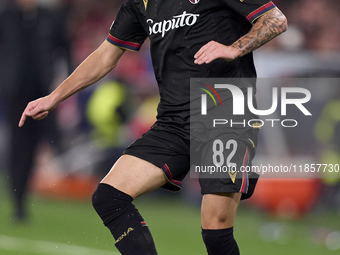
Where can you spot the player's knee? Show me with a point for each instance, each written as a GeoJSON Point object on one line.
{"type": "Point", "coordinates": [217, 223]}
{"type": "Point", "coordinates": [217, 220]}
{"type": "Point", "coordinates": [98, 199]}
{"type": "Point", "coordinates": [221, 218]}
{"type": "Point", "coordinates": [123, 220]}
{"type": "Point", "coordinates": [110, 203]}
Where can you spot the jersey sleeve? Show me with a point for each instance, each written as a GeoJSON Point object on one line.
{"type": "Point", "coordinates": [250, 9]}
{"type": "Point", "coordinates": [127, 31]}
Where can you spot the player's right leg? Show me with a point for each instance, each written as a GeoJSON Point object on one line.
{"type": "Point", "coordinates": [157, 159]}
{"type": "Point", "coordinates": [129, 178]}
{"type": "Point", "coordinates": [134, 176]}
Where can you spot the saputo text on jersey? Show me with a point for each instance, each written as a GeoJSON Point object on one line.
{"type": "Point", "coordinates": [182, 20]}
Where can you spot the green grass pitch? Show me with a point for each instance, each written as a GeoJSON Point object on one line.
{"type": "Point", "coordinates": [72, 227]}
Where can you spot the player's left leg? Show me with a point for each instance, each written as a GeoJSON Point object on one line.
{"type": "Point", "coordinates": [217, 215]}
{"type": "Point", "coordinates": [222, 192]}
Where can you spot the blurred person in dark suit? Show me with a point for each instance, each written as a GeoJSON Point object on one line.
{"type": "Point", "coordinates": [31, 38]}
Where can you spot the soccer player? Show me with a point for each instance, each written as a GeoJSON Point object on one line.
{"type": "Point", "coordinates": [189, 38]}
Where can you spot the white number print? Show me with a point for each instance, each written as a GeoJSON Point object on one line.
{"type": "Point", "coordinates": [218, 153]}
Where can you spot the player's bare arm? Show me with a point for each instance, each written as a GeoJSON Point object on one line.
{"type": "Point", "coordinates": [267, 27]}
{"type": "Point", "coordinates": [94, 67]}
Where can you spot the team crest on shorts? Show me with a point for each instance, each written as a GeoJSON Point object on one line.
{"type": "Point", "coordinates": [194, 1]}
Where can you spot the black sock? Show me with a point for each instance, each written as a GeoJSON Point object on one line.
{"type": "Point", "coordinates": [127, 226]}
{"type": "Point", "coordinates": [220, 242]}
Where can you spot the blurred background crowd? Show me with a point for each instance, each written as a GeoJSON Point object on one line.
{"type": "Point", "coordinates": [42, 41]}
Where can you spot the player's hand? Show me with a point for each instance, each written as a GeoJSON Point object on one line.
{"type": "Point", "coordinates": [37, 109]}
{"type": "Point", "coordinates": [214, 50]}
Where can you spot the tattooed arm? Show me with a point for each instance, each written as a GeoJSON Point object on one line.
{"type": "Point", "coordinates": [267, 27]}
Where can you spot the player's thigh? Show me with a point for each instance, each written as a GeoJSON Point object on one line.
{"type": "Point", "coordinates": [134, 176]}
{"type": "Point", "coordinates": [218, 211]}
